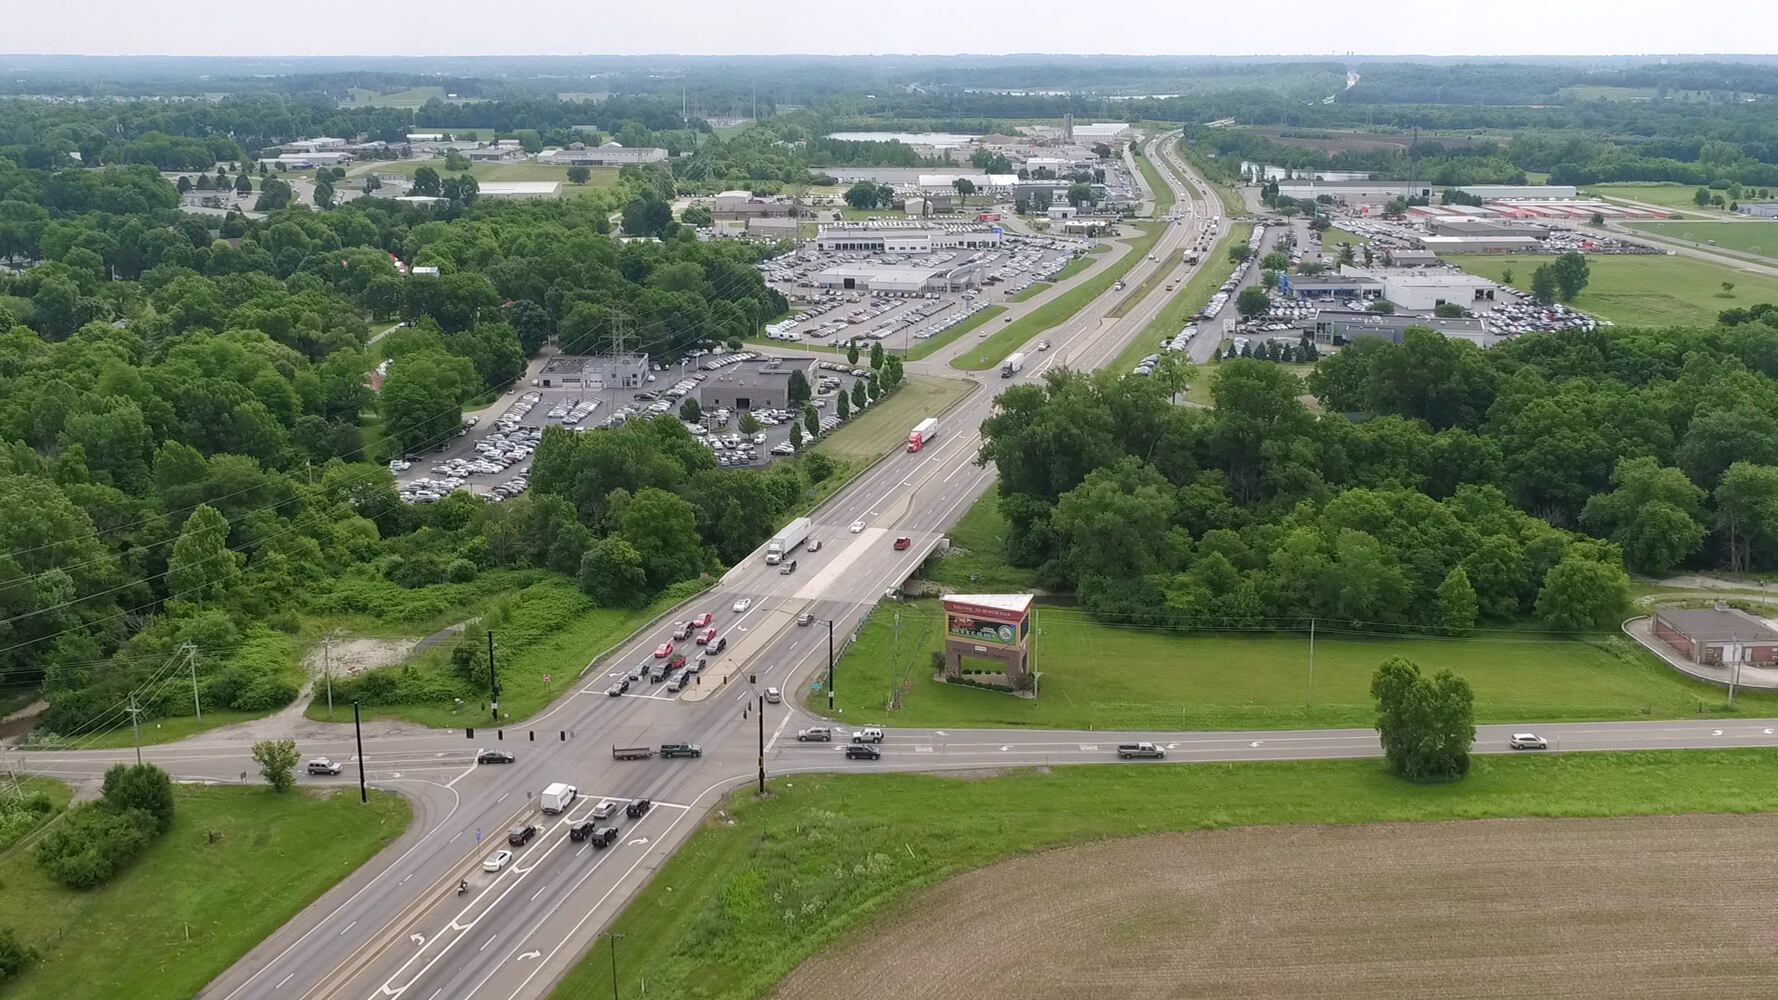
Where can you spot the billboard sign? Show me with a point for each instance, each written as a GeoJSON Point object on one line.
{"type": "Point", "coordinates": [999, 633]}
{"type": "Point", "coordinates": [969, 621]}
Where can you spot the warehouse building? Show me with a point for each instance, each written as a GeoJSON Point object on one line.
{"type": "Point", "coordinates": [1372, 193]}
{"type": "Point", "coordinates": [1480, 228]}
{"type": "Point", "coordinates": [520, 189]}
{"type": "Point", "coordinates": [1342, 326]}
{"type": "Point", "coordinates": [995, 185]}
{"type": "Point", "coordinates": [1716, 636]}
{"type": "Point", "coordinates": [1507, 192]}
{"type": "Point", "coordinates": [1479, 244]}
{"type": "Point", "coordinates": [754, 384]}
{"type": "Point", "coordinates": [1759, 209]}
{"type": "Point", "coordinates": [611, 154]}
{"type": "Point", "coordinates": [772, 228]}
{"type": "Point", "coordinates": [745, 205]}
{"type": "Point", "coordinates": [1410, 258]}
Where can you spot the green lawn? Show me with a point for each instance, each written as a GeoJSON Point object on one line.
{"type": "Point", "coordinates": [1163, 194]}
{"type": "Point", "coordinates": [410, 99]}
{"type": "Point", "coordinates": [1059, 309]}
{"type": "Point", "coordinates": [884, 426]}
{"type": "Point", "coordinates": [1758, 237]}
{"type": "Point", "coordinates": [1115, 677]}
{"type": "Point", "coordinates": [932, 344]}
{"type": "Point", "coordinates": [236, 865]}
{"type": "Point", "coordinates": [782, 877]}
{"type": "Point", "coordinates": [977, 563]}
{"type": "Point", "coordinates": [1036, 288]}
{"type": "Point", "coordinates": [18, 817]}
{"type": "Point", "coordinates": [1643, 290]}
{"type": "Point", "coordinates": [1187, 301]}
{"type": "Point", "coordinates": [553, 633]}
{"type": "Point", "coordinates": [1664, 195]}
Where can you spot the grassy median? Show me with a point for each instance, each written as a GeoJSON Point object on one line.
{"type": "Point", "coordinates": [237, 863]}
{"type": "Point", "coordinates": [780, 878]}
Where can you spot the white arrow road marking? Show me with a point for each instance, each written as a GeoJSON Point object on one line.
{"type": "Point", "coordinates": [394, 774]}
{"type": "Point", "coordinates": [530, 955]}
{"type": "Point", "coordinates": [640, 840]}
{"type": "Point", "coordinates": [1172, 746]}
{"type": "Point", "coordinates": [1768, 732]}
{"type": "Point", "coordinates": [419, 939]}
{"type": "Point", "coordinates": [922, 749]}
{"type": "Point", "coordinates": [940, 732]}
{"type": "Point", "coordinates": [1005, 749]}
{"type": "Point", "coordinates": [1716, 732]}
{"type": "Point", "coordinates": [1253, 744]}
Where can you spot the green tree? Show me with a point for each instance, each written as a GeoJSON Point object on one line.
{"type": "Point", "coordinates": [1382, 307]}
{"type": "Point", "coordinates": [811, 422]}
{"type": "Point", "coordinates": [140, 786]}
{"type": "Point", "coordinates": [422, 398]}
{"type": "Point", "coordinates": [748, 423]}
{"type": "Point", "coordinates": [1426, 724]}
{"type": "Point", "coordinates": [663, 529]}
{"type": "Point", "coordinates": [1449, 310]}
{"type": "Point", "coordinates": [323, 193]}
{"type": "Point", "coordinates": [876, 355]}
{"type": "Point", "coordinates": [842, 406]}
{"type": "Point", "coordinates": [277, 761]}
{"type": "Point", "coordinates": [852, 353]}
{"type": "Point", "coordinates": [202, 567]}
{"type": "Point", "coordinates": [798, 388]}
{"type": "Point", "coordinates": [426, 183]}
{"type": "Point", "coordinates": [689, 411]}
{"type": "Point", "coordinates": [965, 187]}
{"type": "Point", "coordinates": [1581, 594]}
{"type": "Point", "coordinates": [611, 572]}
{"type": "Point", "coordinates": [1253, 302]}
{"type": "Point", "coordinates": [859, 401]}
{"type": "Point", "coordinates": [14, 954]}
{"type": "Point", "coordinates": [455, 162]}
{"type": "Point", "coordinates": [796, 436]}
{"type": "Point", "coordinates": [243, 185]}
{"type": "Point", "coordinates": [698, 216]}
{"type": "Point", "coordinates": [1275, 260]}
{"type": "Point", "coordinates": [1701, 197]}
{"type": "Point", "coordinates": [1081, 193]}
{"type": "Point", "coordinates": [1457, 605]}
{"type": "Point", "coordinates": [1747, 515]}
{"type": "Point", "coordinates": [862, 195]}
{"type": "Point", "coordinates": [1654, 513]}
{"type": "Point", "coordinates": [1544, 287]}
{"type": "Point", "coordinates": [579, 175]}
{"type": "Point", "coordinates": [1571, 274]}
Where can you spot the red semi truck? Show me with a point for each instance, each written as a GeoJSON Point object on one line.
{"type": "Point", "coordinates": [922, 434]}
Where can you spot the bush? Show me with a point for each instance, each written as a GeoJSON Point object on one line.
{"type": "Point", "coordinates": [141, 787]}
{"type": "Point", "coordinates": [93, 844]}
{"type": "Point", "coordinates": [460, 571]}
{"type": "Point", "coordinates": [264, 694]}
{"type": "Point", "coordinates": [21, 814]}
{"type": "Point", "coordinates": [14, 954]}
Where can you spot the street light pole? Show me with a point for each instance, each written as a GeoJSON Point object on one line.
{"type": "Point", "coordinates": [358, 732]}
{"type": "Point", "coordinates": [612, 937]}
{"type": "Point", "coordinates": [830, 666]}
{"type": "Point", "coordinates": [762, 744]}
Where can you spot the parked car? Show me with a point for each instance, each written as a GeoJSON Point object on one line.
{"type": "Point", "coordinates": [637, 808]}
{"type": "Point", "coordinates": [862, 751]}
{"type": "Point", "coordinates": [322, 765]}
{"type": "Point", "coordinates": [902, 543]}
{"type": "Point", "coordinates": [496, 861]}
{"type": "Point", "coordinates": [495, 757]}
{"type": "Point", "coordinates": [519, 836]}
{"type": "Point", "coordinates": [1527, 741]}
{"type": "Point", "coordinates": [814, 734]}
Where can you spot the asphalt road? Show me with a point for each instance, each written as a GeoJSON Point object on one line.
{"type": "Point", "coordinates": [398, 927]}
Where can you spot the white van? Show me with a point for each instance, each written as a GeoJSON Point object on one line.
{"type": "Point", "coordinates": [557, 797]}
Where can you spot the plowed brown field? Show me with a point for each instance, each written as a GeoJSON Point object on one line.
{"type": "Point", "coordinates": [1644, 907]}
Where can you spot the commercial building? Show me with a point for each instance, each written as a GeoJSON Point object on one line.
{"type": "Point", "coordinates": [1507, 192]}
{"type": "Point", "coordinates": [520, 189]}
{"type": "Point", "coordinates": [1424, 290]}
{"type": "Point", "coordinates": [611, 154]}
{"type": "Point", "coordinates": [1479, 244]}
{"type": "Point", "coordinates": [754, 384]}
{"type": "Point", "coordinates": [1370, 193]}
{"type": "Point", "coordinates": [1410, 258]}
{"type": "Point", "coordinates": [899, 278]}
{"type": "Point", "coordinates": [595, 371]}
{"type": "Point", "coordinates": [772, 228]}
{"type": "Point", "coordinates": [745, 205]}
{"type": "Point", "coordinates": [304, 161]}
{"type": "Point", "coordinates": [1098, 132]}
{"type": "Point", "coordinates": [902, 238]}
{"type": "Point", "coordinates": [1716, 636]}
{"type": "Point", "coordinates": [1759, 209]}
{"type": "Point", "coordinates": [1326, 286]}
{"type": "Point", "coordinates": [1342, 326]}
{"type": "Point", "coordinates": [996, 185]}
{"type": "Point", "coordinates": [1480, 227]}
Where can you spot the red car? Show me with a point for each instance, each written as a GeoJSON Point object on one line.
{"type": "Point", "coordinates": [701, 620]}
{"type": "Point", "coordinates": [903, 542]}
{"type": "Point", "coordinates": [706, 635]}
{"type": "Point", "coordinates": [683, 631]}
{"type": "Point", "coordinates": [663, 650]}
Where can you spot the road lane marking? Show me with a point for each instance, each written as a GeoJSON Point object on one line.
{"type": "Point", "coordinates": [347, 928]}
{"type": "Point", "coordinates": [281, 982]}
{"type": "Point", "coordinates": [485, 944]}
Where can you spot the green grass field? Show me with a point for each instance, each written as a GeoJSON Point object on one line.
{"type": "Point", "coordinates": [976, 563]}
{"type": "Point", "coordinates": [883, 427]}
{"type": "Point", "coordinates": [17, 820]}
{"type": "Point", "coordinates": [1163, 194]}
{"type": "Point", "coordinates": [1664, 195]}
{"type": "Point", "coordinates": [1033, 290]}
{"type": "Point", "coordinates": [782, 877]}
{"type": "Point", "coordinates": [1188, 300]}
{"type": "Point", "coordinates": [1103, 676]}
{"type": "Point", "coordinates": [1757, 237]}
{"type": "Point", "coordinates": [410, 99]}
{"type": "Point", "coordinates": [1643, 291]}
{"type": "Point", "coordinates": [236, 865]}
{"type": "Point", "coordinates": [1059, 309]}
{"type": "Point", "coordinates": [931, 345]}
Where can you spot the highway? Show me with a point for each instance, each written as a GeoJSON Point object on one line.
{"type": "Point", "coordinates": [398, 926]}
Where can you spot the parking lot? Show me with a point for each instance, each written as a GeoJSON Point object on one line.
{"type": "Point", "coordinates": [491, 456]}
{"type": "Point", "coordinates": [901, 319]}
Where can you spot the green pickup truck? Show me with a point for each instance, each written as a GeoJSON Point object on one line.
{"type": "Point", "coordinates": [681, 750]}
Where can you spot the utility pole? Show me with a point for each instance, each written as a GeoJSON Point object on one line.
{"type": "Point", "coordinates": [191, 661]}
{"type": "Point", "coordinates": [1311, 698]}
{"type": "Point", "coordinates": [493, 679]}
{"type": "Point", "coordinates": [613, 936]}
{"type": "Point", "coordinates": [135, 725]}
{"type": "Point", "coordinates": [358, 732]}
{"type": "Point", "coordinates": [830, 666]}
{"type": "Point", "coordinates": [762, 743]}
{"type": "Point", "coordinates": [327, 669]}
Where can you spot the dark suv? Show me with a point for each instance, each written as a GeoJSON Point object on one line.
{"type": "Point", "coordinates": [863, 751]}
{"type": "Point", "coordinates": [519, 836]}
{"type": "Point", "coordinates": [636, 809]}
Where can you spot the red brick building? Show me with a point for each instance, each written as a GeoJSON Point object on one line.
{"type": "Point", "coordinates": [1712, 635]}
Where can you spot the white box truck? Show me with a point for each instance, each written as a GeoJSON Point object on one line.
{"type": "Point", "coordinates": [1013, 365]}
{"type": "Point", "coordinates": [922, 434]}
{"type": "Point", "coordinates": [557, 797]}
{"type": "Point", "coordinates": [787, 540]}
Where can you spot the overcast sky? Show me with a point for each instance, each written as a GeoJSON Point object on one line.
{"type": "Point", "coordinates": [1143, 27]}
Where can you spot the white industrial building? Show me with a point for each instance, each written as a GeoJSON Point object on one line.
{"type": "Point", "coordinates": [905, 239]}
{"type": "Point", "coordinates": [520, 189]}
{"type": "Point", "coordinates": [998, 185]}
{"type": "Point", "coordinates": [1099, 131]}
{"type": "Point", "coordinates": [1508, 192]}
{"type": "Point", "coordinates": [1479, 244]}
{"type": "Point", "coordinates": [303, 161]}
{"type": "Point", "coordinates": [899, 278]}
{"type": "Point", "coordinates": [596, 371]}
{"type": "Point", "coordinates": [611, 154]}
{"type": "Point", "coordinates": [1421, 290]}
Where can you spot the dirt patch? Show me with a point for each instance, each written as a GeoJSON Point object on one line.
{"type": "Point", "coordinates": [1645, 907]}
{"type": "Point", "coordinates": [354, 656]}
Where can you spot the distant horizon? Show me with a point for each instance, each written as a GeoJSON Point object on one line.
{"type": "Point", "coordinates": [526, 28]}
{"type": "Point", "coordinates": [1254, 56]}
